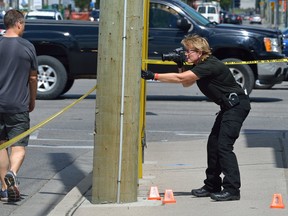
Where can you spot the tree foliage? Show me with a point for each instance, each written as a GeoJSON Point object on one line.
{"type": "Point", "coordinates": [226, 4]}
{"type": "Point", "coordinates": [82, 4]}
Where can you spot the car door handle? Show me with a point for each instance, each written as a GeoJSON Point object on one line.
{"type": "Point", "coordinates": [150, 38]}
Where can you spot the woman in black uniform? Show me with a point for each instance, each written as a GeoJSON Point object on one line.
{"type": "Point", "coordinates": [215, 81]}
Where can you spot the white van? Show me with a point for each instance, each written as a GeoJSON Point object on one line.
{"type": "Point", "coordinates": [209, 11]}
{"type": "Point", "coordinates": [44, 14]}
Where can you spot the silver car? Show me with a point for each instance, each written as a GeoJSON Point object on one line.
{"type": "Point", "coordinates": [256, 19]}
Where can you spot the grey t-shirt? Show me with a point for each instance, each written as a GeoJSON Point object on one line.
{"type": "Point", "coordinates": [17, 59]}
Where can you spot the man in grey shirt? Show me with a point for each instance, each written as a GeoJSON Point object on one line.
{"type": "Point", "coordinates": [18, 89]}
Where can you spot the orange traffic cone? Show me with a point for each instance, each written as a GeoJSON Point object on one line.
{"type": "Point", "coordinates": [277, 201]}
{"type": "Point", "coordinates": [154, 193]}
{"type": "Point", "coordinates": [168, 197]}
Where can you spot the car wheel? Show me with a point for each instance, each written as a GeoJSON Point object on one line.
{"type": "Point", "coordinates": [68, 86]}
{"type": "Point", "coordinates": [242, 73]}
{"type": "Point", "coordinates": [52, 77]}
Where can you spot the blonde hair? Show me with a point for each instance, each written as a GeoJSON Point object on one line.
{"type": "Point", "coordinates": [200, 44]}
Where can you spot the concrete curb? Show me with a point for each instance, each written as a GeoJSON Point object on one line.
{"type": "Point", "coordinates": [73, 199]}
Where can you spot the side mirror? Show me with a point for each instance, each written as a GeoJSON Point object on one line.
{"type": "Point", "coordinates": [183, 24]}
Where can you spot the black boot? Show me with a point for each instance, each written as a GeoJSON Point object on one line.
{"type": "Point", "coordinates": [202, 192]}
{"type": "Point", "coordinates": [225, 196]}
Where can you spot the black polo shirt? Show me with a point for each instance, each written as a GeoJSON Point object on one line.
{"type": "Point", "coordinates": [216, 80]}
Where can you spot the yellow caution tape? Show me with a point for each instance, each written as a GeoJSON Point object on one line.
{"type": "Point", "coordinates": [147, 61]}
{"type": "Point", "coordinates": [160, 62]}
{"type": "Point", "coordinates": [41, 124]}
{"type": "Point", "coordinates": [258, 61]}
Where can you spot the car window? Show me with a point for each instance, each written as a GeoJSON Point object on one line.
{"type": "Point", "coordinates": [201, 9]}
{"type": "Point", "coordinates": [197, 17]}
{"type": "Point", "coordinates": [162, 16]}
{"type": "Point", "coordinates": [212, 10]}
{"type": "Point", "coordinates": [59, 17]}
{"type": "Point", "coordinates": [40, 17]}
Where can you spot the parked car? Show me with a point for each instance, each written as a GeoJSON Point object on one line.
{"type": "Point", "coordinates": [68, 49]}
{"type": "Point", "coordinates": [80, 15]}
{"type": "Point", "coordinates": [44, 14]}
{"type": "Point", "coordinates": [209, 11]}
{"type": "Point", "coordinates": [256, 18]}
{"type": "Point", "coordinates": [233, 19]}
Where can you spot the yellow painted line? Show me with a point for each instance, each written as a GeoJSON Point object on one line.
{"type": "Point", "coordinates": [41, 124]}
{"type": "Point", "coordinates": [160, 62]}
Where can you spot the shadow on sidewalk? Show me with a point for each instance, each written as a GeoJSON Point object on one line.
{"type": "Point", "coordinates": [67, 177]}
{"type": "Point", "coordinates": [270, 139]}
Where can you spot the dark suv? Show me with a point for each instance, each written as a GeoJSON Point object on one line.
{"type": "Point", "coordinates": [171, 20]}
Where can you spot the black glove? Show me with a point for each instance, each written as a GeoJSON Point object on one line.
{"type": "Point", "coordinates": [147, 75]}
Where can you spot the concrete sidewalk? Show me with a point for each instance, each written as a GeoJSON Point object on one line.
{"type": "Point", "coordinates": [180, 166]}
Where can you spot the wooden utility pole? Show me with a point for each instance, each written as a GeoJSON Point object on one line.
{"type": "Point", "coordinates": [108, 102]}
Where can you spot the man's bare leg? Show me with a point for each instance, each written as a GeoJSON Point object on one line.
{"type": "Point", "coordinates": [4, 165]}
{"type": "Point", "coordinates": [17, 156]}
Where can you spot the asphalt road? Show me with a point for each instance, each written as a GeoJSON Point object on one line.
{"type": "Point", "coordinates": [173, 113]}
{"type": "Point", "coordinates": [176, 113]}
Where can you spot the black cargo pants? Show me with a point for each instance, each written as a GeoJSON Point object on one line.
{"type": "Point", "coordinates": [220, 155]}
